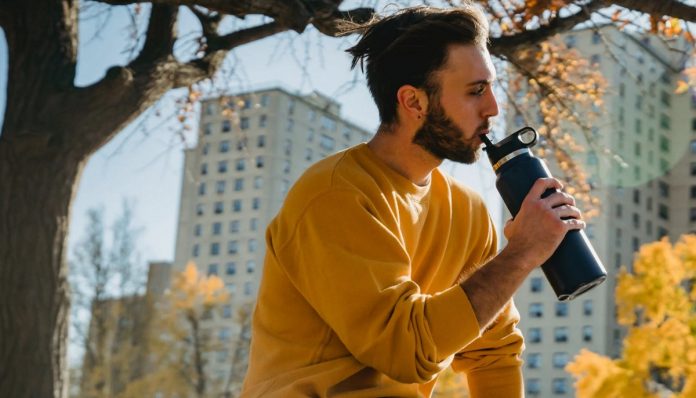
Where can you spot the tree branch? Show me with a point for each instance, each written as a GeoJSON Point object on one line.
{"type": "Point", "coordinates": [672, 8]}
{"type": "Point", "coordinates": [160, 38]}
{"type": "Point", "coordinates": [508, 44]}
{"type": "Point", "coordinates": [332, 24]}
{"type": "Point", "coordinates": [293, 14]}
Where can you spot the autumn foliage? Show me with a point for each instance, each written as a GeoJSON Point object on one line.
{"type": "Point", "coordinates": [656, 303]}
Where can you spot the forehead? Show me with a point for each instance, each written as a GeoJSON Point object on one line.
{"type": "Point", "coordinates": [467, 64]}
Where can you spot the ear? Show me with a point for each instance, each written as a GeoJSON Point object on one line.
{"type": "Point", "coordinates": [413, 102]}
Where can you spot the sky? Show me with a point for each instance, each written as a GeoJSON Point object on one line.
{"type": "Point", "coordinates": [144, 165]}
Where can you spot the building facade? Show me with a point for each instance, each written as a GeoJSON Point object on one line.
{"type": "Point", "coordinates": [252, 147]}
{"type": "Point", "coordinates": [648, 194]}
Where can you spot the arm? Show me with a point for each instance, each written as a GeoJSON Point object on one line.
{"type": "Point", "coordinates": [355, 273]}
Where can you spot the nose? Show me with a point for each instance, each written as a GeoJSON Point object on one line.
{"type": "Point", "coordinates": [491, 107]}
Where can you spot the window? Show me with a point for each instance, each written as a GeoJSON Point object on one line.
{"type": "Point", "coordinates": [534, 335]}
{"type": "Point", "coordinates": [693, 124]}
{"type": "Point", "coordinates": [195, 250]}
{"type": "Point", "coordinates": [224, 334]}
{"type": "Point", "coordinates": [595, 59]}
{"type": "Point", "coordinates": [560, 386]}
{"type": "Point", "coordinates": [570, 41]}
{"type": "Point", "coordinates": [649, 203]}
{"type": "Point", "coordinates": [201, 189]}
{"type": "Point", "coordinates": [231, 287]}
{"type": "Point", "coordinates": [242, 143]}
{"type": "Point", "coordinates": [253, 224]}
{"type": "Point", "coordinates": [244, 123]}
{"type": "Point", "coordinates": [209, 108]}
{"type": "Point", "coordinates": [617, 260]}
{"type": "Point", "coordinates": [663, 187]}
{"type": "Point", "coordinates": [252, 245]}
{"type": "Point", "coordinates": [207, 129]}
{"type": "Point", "coordinates": [560, 334]}
{"type": "Point", "coordinates": [199, 209]}
{"type": "Point", "coordinates": [663, 212]}
{"type": "Point", "coordinates": [237, 205]}
{"type": "Point", "coordinates": [248, 289]}
{"type": "Point", "coordinates": [218, 207]}
{"type": "Point", "coordinates": [251, 266]}
{"type": "Point", "coordinates": [206, 148]}
{"type": "Point", "coordinates": [536, 284]}
{"type": "Point", "coordinates": [308, 154]}
{"type": "Point", "coordinates": [692, 192]}
{"type": "Point", "coordinates": [226, 126]}
{"type": "Point", "coordinates": [636, 196]}
{"type": "Point", "coordinates": [310, 135]}
{"type": "Point", "coordinates": [263, 119]}
{"type": "Point", "coordinates": [224, 146]}
{"type": "Point", "coordinates": [536, 310]}
{"type": "Point", "coordinates": [259, 162]}
{"type": "Point", "coordinates": [560, 360]}
{"type": "Point", "coordinates": [562, 309]}
{"type": "Point", "coordinates": [214, 249]}
{"type": "Point", "coordinates": [231, 268]}
{"type": "Point", "coordinates": [264, 100]}
{"type": "Point", "coordinates": [587, 333]}
{"type": "Point", "coordinates": [232, 247]}
{"type": "Point", "coordinates": [328, 123]}
{"type": "Point", "coordinates": [212, 269]}
{"type": "Point", "coordinates": [238, 184]}
{"type": "Point", "coordinates": [346, 134]}
{"type": "Point", "coordinates": [227, 311]}
{"type": "Point", "coordinates": [662, 232]}
{"type": "Point", "coordinates": [246, 104]}
{"type": "Point", "coordinates": [665, 98]}
{"type": "Point", "coordinates": [286, 166]}
{"type": "Point", "coordinates": [217, 228]}
{"type": "Point", "coordinates": [664, 144]}
{"type": "Point", "coordinates": [241, 164]}
{"type": "Point", "coordinates": [222, 166]}
{"type": "Point", "coordinates": [665, 122]}
{"type": "Point", "coordinates": [587, 307]}
{"type": "Point", "coordinates": [197, 230]}
{"type": "Point", "coordinates": [234, 226]}
{"type": "Point", "coordinates": [220, 187]}
{"type": "Point", "coordinates": [258, 182]}
{"type": "Point", "coordinates": [692, 214]}
{"type": "Point", "coordinates": [287, 147]}
{"type": "Point", "coordinates": [636, 221]}
{"type": "Point", "coordinates": [261, 141]}
{"type": "Point", "coordinates": [596, 37]}
{"type": "Point", "coordinates": [693, 168]}
{"type": "Point", "coordinates": [204, 169]}
{"type": "Point", "coordinates": [256, 203]}
{"type": "Point", "coordinates": [619, 209]}
{"type": "Point", "coordinates": [327, 143]}
{"type": "Point", "coordinates": [534, 360]}
{"type": "Point", "coordinates": [533, 386]}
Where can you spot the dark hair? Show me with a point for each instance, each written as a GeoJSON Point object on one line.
{"type": "Point", "coordinates": [408, 46]}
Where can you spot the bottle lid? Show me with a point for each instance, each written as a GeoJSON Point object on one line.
{"type": "Point", "coordinates": [518, 142]}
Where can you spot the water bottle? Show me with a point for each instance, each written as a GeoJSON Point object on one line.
{"type": "Point", "coordinates": [574, 267]}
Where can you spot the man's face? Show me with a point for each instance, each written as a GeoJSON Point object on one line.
{"type": "Point", "coordinates": [459, 111]}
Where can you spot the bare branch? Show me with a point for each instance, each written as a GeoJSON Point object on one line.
{"type": "Point", "coordinates": [292, 14]}
{"type": "Point", "coordinates": [331, 25]}
{"type": "Point", "coordinates": [161, 35]}
{"type": "Point", "coordinates": [672, 8]}
{"type": "Point", "coordinates": [508, 44]}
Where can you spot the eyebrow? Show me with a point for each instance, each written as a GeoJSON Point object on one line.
{"type": "Point", "coordinates": [482, 81]}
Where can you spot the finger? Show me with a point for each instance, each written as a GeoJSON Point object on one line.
{"type": "Point", "coordinates": [541, 185]}
{"type": "Point", "coordinates": [567, 211]}
{"type": "Point", "coordinates": [559, 199]}
{"type": "Point", "coordinates": [572, 224]}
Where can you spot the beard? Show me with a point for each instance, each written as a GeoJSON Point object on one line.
{"type": "Point", "coordinates": [442, 138]}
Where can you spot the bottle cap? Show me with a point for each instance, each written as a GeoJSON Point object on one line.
{"type": "Point", "coordinates": [511, 145]}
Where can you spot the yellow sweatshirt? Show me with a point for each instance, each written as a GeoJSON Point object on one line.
{"type": "Point", "coordinates": [359, 293]}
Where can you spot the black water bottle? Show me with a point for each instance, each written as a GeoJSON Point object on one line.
{"type": "Point", "coordinates": [574, 267]}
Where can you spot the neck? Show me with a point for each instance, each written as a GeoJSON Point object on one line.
{"type": "Point", "coordinates": [395, 147]}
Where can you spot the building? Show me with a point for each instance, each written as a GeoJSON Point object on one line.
{"type": "Point", "coordinates": [252, 147]}
{"type": "Point", "coordinates": [651, 194]}
{"type": "Point", "coordinates": [116, 351]}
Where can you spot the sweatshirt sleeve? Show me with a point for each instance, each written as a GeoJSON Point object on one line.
{"type": "Point", "coordinates": [492, 362]}
{"type": "Point", "coordinates": [355, 273]}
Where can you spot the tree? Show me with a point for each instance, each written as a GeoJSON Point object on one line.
{"type": "Point", "coordinates": [106, 281]}
{"type": "Point", "coordinates": [179, 346]}
{"type": "Point", "coordinates": [656, 303]}
{"type": "Point", "coordinates": [51, 127]}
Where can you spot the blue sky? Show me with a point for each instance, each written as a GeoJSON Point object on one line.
{"type": "Point", "coordinates": [145, 165]}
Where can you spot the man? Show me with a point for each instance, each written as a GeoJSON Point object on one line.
{"type": "Point", "coordinates": [382, 271]}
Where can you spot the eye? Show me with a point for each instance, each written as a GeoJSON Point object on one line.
{"type": "Point", "coordinates": [480, 89]}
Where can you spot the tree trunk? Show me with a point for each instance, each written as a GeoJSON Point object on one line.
{"type": "Point", "coordinates": [34, 298]}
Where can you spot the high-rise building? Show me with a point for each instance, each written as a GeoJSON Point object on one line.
{"type": "Point", "coordinates": [649, 194]}
{"type": "Point", "coordinates": [252, 147]}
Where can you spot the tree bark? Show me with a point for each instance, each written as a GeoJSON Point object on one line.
{"type": "Point", "coordinates": [34, 304]}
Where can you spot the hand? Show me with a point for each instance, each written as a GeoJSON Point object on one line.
{"type": "Point", "coordinates": [541, 224]}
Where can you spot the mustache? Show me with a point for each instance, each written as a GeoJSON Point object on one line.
{"type": "Point", "coordinates": [484, 126]}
